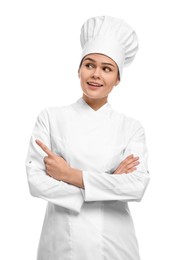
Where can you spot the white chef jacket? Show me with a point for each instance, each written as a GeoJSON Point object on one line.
{"type": "Point", "coordinates": [92, 223]}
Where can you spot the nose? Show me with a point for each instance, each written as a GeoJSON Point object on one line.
{"type": "Point", "coordinates": [96, 73]}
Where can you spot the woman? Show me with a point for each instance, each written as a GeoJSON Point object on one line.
{"type": "Point", "coordinates": [88, 160]}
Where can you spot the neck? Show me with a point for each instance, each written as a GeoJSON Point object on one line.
{"type": "Point", "coordinates": [95, 103]}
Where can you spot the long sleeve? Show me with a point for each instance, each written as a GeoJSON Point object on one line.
{"type": "Point", "coordinates": [40, 184]}
{"type": "Point", "coordinates": [123, 187]}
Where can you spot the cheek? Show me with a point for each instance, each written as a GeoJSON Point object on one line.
{"type": "Point", "coordinates": [82, 79]}
{"type": "Point", "coordinates": [111, 82]}
{"type": "Point", "coordinates": [81, 74]}
{"type": "Point", "coordinates": [115, 80]}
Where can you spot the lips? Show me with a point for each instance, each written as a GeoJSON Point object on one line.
{"type": "Point", "coordinates": [94, 84]}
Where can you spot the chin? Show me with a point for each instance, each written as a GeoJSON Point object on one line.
{"type": "Point", "coordinates": [92, 96]}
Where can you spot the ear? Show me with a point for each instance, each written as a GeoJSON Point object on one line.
{"type": "Point", "coordinates": [117, 82]}
{"type": "Point", "coordinates": [79, 72]}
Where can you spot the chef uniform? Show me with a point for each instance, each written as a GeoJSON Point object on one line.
{"type": "Point", "coordinates": [92, 223]}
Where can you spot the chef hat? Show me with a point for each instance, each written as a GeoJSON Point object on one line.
{"type": "Point", "coordinates": [110, 36]}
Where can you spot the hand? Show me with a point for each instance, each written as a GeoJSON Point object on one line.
{"type": "Point", "coordinates": [56, 166]}
{"type": "Point", "coordinates": [127, 165]}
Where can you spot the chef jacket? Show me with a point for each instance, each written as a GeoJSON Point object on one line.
{"type": "Point", "coordinates": [93, 223]}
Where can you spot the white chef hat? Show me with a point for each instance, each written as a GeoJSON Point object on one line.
{"type": "Point", "coordinates": [110, 36]}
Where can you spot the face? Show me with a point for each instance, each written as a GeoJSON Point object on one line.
{"type": "Point", "coordinates": [98, 75]}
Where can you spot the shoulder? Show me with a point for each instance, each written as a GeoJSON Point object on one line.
{"type": "Point", "coordinates": [129, 125]}
{"type": "Point", "coordinates": [127, 120]}
{"type": "Point", "coordinates": [49, 113]}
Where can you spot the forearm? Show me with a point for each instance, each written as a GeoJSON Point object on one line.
{"type": "Point", "coordinates": [57, 168]}
{"type": "Point", "coordinates": [41, 184]}
{"type": "Point", "coordinates": [74, 177]}
{"type": "Point", "coordinates": [124, 187]}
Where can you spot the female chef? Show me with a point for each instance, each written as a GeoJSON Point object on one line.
{"type": "Point", "coordinates": [87, 160]}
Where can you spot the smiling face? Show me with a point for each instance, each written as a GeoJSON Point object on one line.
{"type": "Point", "coordinates": [98, 75]}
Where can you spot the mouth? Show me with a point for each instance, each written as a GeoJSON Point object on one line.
{"type": "Point", "coordinates": [94, 84]}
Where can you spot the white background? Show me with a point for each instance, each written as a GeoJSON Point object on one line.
{"type": "Point", "coordinates": [39, 57]}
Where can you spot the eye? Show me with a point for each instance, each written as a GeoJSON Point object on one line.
{"type": "Point", "coordinates": [89, 65]}
{"type": "Point", "coordinates": [107, 69]}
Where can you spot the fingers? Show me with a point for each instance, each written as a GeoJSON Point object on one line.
{"type": "Point", "coordinates": [128, 164]}
{"type": "Point", "coordinates": [45, 159]}
{"type": "Point", "coordinates": [44, 148]}
{"type": "Point", "coordinates": [131, 167]}
{"type": "Point", "coordinates": [130, 159]}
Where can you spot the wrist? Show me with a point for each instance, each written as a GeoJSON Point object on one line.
{"type": "Point", "coordinates": [74, 177]}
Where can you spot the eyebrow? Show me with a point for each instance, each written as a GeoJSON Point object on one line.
{"type": "Point", "coordinates": [103, 63]}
